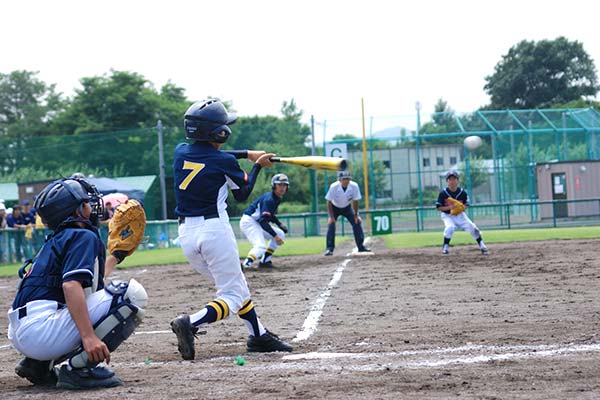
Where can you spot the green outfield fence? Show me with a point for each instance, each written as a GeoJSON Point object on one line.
{"type": "Point", "coordinates": [406, 161]}
{"type": "Point", "coordinates": [14, 246]}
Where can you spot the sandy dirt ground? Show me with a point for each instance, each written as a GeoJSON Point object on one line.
{"type": "Point", "coordinates": [521, 323]}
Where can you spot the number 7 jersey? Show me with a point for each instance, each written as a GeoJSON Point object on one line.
{"type": "Point", "coordinates": [202, 177]}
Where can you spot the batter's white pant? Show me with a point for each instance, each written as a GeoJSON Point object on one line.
{"type": "Point", "coordinates": [210, 247]}
{"type": "Point", "coordinates": [47, 333]}
{"type": "Point", "coordinates": [258, 236]}
{"type": "Point", "coordinates": [460, 221]}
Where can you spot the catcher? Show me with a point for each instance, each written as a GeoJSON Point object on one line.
{"type": "Point", "coordinates": [63, 311]}
{"type": "Point", "coordinates": [452, 202]}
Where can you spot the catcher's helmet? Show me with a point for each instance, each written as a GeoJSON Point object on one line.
{"type": "Point", "coordinates": [61, 198]}
{"type": "Point", "coordinates": [279, 178]}
{"type": "Point", "coordinates": [344, 175]}
{"type": "Point", "coordinates": [207, 121]}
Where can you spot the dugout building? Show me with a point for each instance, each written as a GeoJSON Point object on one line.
{"type": "Point", "coordinates": [574, 186]}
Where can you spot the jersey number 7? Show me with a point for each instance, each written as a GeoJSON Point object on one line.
{"type": "Point", "coordinates": [194, 169]}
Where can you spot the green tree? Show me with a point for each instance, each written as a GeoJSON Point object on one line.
{"type": "Point", "coordinates": [26, 106]}
{"type": "Point", "coordinates": [542, 74]}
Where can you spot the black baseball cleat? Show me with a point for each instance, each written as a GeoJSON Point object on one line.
{"type": "Point", "coordinates": [445, 252]}
{"type": "Point", "coordinates": [266, 265]}
{"type": "Point", "coordinates": [267, 343]}
{"type": "Point", "coordinates": [485, 251]}
{"type": "Point", "coordinates": [364, 249]}
{"type": "Point", "coordinates": [86, 378]}
{"type": "Point", "coordinates": [185, 331]}
{"type": "Point", "coordinates": [39, 373]}
{"type": "Point", "coordinates": [328, 252]}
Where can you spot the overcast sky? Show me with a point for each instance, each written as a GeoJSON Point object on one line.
{"type": "Point", "coordinates": [327, 55]}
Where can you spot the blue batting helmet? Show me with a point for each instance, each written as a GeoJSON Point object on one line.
{"type": "Point", "coordinates": [279, 178]}
{"type": "Point", "coordinates": [208, 121]}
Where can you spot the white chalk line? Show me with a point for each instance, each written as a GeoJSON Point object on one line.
{"type": "Point", "coordinates": [312, 320]}
{"type": "Point", "coordinates": [371, 362]}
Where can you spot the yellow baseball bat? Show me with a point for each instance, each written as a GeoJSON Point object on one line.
{"type": "Point", "coordinates": [315, 162]}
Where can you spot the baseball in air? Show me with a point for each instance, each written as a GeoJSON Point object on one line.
{"type": "Point", "coordinates": [472, 142]}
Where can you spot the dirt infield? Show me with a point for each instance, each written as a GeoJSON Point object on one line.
{"type": "Point", "coordinates": [520, 323]}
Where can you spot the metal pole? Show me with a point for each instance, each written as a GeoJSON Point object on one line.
{"type": "Point", "coordinates": [420, 225]}
{"type": "Point", "coordinates": [365, 172]}
{"type": "Point", "coordinates": [313, 172]}
{"type": "Point", "coordinates": [161, 169]}
{"type": "Point", "coordinates": [371, 165]}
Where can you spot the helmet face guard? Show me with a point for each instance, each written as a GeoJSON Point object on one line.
{"type": "Point", "coordinates": [61, 198]}
{"type": "Point", "coordinates": [95, 199]}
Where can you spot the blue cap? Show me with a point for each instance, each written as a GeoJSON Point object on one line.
{"type": "Point", "coordinates": [450, 173]}
{"type": "Point", "coordinates": [25, 202]}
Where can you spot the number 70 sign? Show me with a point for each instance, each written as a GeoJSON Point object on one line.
{"type": "Point", "coordinates": [381, 222]}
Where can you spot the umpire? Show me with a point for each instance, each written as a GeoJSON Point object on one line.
{"type": "Point", "coordinates": [342, 199]}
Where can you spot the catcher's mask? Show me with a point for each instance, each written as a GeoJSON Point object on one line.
{"type": "Point", "coordinates": [279, 178]}
{"type": "Point", "coordinates": [208, 121]}
{"type": "Point", "coordinates": [61, 198]}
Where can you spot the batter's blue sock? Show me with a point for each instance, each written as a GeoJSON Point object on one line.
{"type": "Point", "coordinates": [249, 260]}
{"type": "Point", "coordinates": [267, 257]}
{"type": "Point", "coordinates": [250, 318]}
{"type": "Point", "coordinates": [213, 311]}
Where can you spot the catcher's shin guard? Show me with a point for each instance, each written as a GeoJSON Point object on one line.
{"type": "Point", "coordinates": [118, 324]}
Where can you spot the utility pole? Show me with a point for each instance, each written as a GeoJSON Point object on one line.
{"type": "Point", "coordinates": [161, 169]}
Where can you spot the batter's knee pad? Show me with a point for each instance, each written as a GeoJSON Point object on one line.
{"type": "Point", "coordinates": [120, 322]}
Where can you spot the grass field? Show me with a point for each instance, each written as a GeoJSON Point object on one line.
{"type": "Point", "coordinates": [315, 245]}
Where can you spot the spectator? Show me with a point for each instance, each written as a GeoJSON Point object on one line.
{"type": "Point", "coordinates": [16, 221]}
{"type": "Point", "coordinates": [2, 227]}
{"type": "Point", "coordinates": [29, 220]}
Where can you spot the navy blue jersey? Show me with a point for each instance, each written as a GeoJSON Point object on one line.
{"type": "Point", "coordinates": [203, 175]}
{"type": "Point", "coordinates": [265, 207]}
{"type": "Point", "coordinates": [73, 254]}
{"type": "Point", "coordinates": [458, 194]}
{"type": "Point", "coordinates": [11, 220]}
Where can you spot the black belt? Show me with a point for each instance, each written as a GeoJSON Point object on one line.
{"type": "Point", "coordinates": [208, 216]}
{"type": "Point", "coordinates": [23, 310]}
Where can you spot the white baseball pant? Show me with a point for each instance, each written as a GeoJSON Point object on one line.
{"type": "Point", "coordinates": [258, 236]}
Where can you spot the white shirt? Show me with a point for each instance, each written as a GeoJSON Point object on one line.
{"type": "Point", "coordinates": [342, 198]}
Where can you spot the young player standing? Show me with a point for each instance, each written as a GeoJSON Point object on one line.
{"type": "Point", "coordinates": [342, 199]}
{"type": "Point", "coordinates": [256, 223]}
{"type": "Point", "coordinates": [203, 174]}
{"type": "Point", "coordinates": [452, 201]}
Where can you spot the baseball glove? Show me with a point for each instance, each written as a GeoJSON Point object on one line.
{"type": "Point", "coordinates": [458, 206]}
{"type": "Point", "coordinates": [126, 229]}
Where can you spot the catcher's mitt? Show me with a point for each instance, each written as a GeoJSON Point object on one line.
{"type": "Point", "coordinates": [458, 206]}
{"type": "Point", "coordinates": [126, 229]}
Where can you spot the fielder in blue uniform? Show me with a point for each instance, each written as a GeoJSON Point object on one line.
{"type": "Point", "coordinates": [460, 221]}
{"type": "Point", "coordinates": [256, 223]}
{"type": "Point", "coordinates": [203, 175]}
{"type": "Point", "coordinates": [62, 310]}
